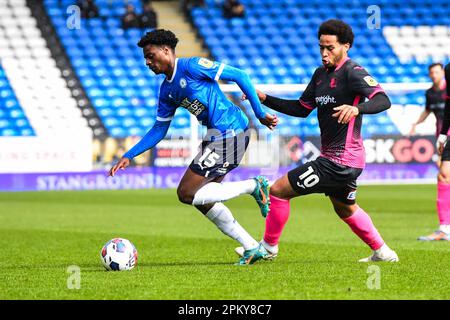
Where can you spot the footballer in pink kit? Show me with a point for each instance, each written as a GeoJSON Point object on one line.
{"type": "Point", "coordinates": [338, 89]}
{"type": "Point", "coordinates": [443, 184]}
{"type": "Point", "coordinates": [434, 97]}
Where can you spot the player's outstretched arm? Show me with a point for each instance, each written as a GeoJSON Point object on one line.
{"type": "Point", "coordinates": [243, 81]}
{"type": "Point", "coordinates": [297, 108]}
{"type": "Point", "coordinates": [289, 107]}
{"type": "Point", "coordinates": [423, 116]}
{"type": "Point", "coordinates": [151, 139]}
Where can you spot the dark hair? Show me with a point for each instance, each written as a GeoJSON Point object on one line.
{"type": "Point", "coordinates": [338, 28]}
{"type": "Point", "coordinates": [159, 37]}
{"type": "Point", "coordinates": [431, 66]}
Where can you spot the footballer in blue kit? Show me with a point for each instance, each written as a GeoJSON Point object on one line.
{"type": "Point", "coordinates": [194, 86]}
{"type": "Point", "coordinates": [191, 83]}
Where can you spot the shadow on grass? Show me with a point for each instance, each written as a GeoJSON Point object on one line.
{"type": "Point", "coordinates": [184, 264]}
{"type": "Point", "coordinates": [95, 268]}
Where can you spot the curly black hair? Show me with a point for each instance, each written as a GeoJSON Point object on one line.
{"type": "Point", "coordinates": [431, 66]}
{"type": "Point", "coordinates": [338, 28]}
{"type": "Point", "coordinates": [159, 37]}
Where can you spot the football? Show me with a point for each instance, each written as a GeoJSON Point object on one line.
{"type": "Point", "coordinates": [119, 254]}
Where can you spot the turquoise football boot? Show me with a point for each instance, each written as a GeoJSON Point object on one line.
{"type": "Point", "coordinates": [252, 255]}
{"type": "Point", "coordinates": [261, 194]}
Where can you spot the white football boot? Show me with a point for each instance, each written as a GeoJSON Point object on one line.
{"type": "Point", "coordinates": [383, 254]}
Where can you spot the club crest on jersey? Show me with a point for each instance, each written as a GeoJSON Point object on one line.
{"type": "Point", "coordinates": [183, 83]}
{"type": "Point", "coordinates": [370, 81]}
{"type": "Point", "coordinates": [205, 63]}
{"type": "Point", "coordinates": [333, 83]}
{"type": "Point", "coordinates": [351, 195]}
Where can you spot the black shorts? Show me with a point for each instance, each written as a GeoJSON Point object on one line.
{"type": "Point", "coordinates": [446, 152]}
{"type": "Point", "coordinates": [219, 157]}
{"type": "Point", "coordinates": [325, 176]}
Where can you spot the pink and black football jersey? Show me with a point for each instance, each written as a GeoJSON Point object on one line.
{"type": "Point", "coordinates": [446, 122]}
{"type": "Point", "coordinates": [435, 102]}
{"type": "Point", "coordinates": [350, 84]}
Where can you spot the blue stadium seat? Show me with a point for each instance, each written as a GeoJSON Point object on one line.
{"type": "Point", "coordinates": [10, 132]}
{"type": "Point", "coordinates": [146, 122]}
{"type": "Point", "coordinates": [13, 120]}
{"type": "Point", "coordinates": [26, 132]}
{"type": "Point", "coordinates": [275, 42]}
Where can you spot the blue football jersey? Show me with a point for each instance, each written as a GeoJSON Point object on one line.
{"type": "Point", "coordinates": [194, 86]}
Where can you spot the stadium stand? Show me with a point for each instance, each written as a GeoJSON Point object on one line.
{"type": "Point", "coordinates": [13, 121]}
{"type": "Point", "coordinates": [33, 76]}
{"type": "Point", "coordinates": [111, 69]}
{"type": "Point", "coordinates": [63, 63]}
{"type": "Point", "coordinates": [282, 35]}
{"type": "Point", "coordinates": [275, 42]}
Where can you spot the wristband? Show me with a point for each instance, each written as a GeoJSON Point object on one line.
{"type": "Point", "coordinates": [442, 139]}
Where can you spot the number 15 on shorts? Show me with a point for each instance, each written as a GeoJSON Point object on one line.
{"type": "Point", "coordinates": [308, 179]}
{"type": "Point", "coordinates": [208, 159]}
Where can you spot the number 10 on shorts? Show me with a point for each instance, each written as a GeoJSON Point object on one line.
{"type": "Point", "coordinates": [308, 179]}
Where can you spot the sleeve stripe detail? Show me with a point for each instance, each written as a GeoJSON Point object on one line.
{"type": "Point", "coordinates": [219, 72]}
{"type": "Point", "coordinates": [307, 106]}
{"type": "Point", "coordinates": [164, 119]}
{"type": "Point", "coordinates": [375, 92]}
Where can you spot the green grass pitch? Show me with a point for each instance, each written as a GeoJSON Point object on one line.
{"type": "Point", "coordinates": [183, 256]}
